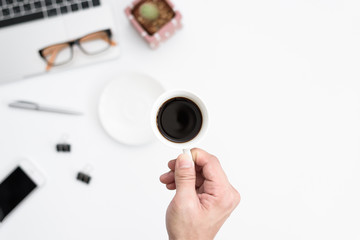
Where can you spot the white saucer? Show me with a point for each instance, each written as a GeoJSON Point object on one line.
{"type": "Point", "coordinates": [125, 106]}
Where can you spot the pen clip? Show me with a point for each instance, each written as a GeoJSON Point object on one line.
{"type": "Point", "coordinates": [25, 105]}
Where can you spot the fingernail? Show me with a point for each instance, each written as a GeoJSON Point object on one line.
{"type": "Point", "coordinates": [185, 161]}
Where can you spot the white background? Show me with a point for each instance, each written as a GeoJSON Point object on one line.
{"type": "Point", "coordinates": [281, 81]}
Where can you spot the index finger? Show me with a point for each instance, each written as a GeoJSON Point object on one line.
{"type": "Point", "coordinates": [210, 165]}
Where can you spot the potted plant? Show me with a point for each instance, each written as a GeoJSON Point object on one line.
{"type": "Point", "coordinates": [155, 20]}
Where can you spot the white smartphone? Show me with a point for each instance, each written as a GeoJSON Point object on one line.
{"type": "Point", "coordinates": [17, 185]}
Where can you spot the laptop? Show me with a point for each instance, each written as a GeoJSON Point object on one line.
{"type": "Point", "coordinates": [27, 26]}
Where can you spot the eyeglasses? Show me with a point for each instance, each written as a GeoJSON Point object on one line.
{"type": "Point", "coordinates": [91, 44]}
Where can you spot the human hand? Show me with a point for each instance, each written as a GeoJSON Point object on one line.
{"type": "Point", "coordinates": [204, 197]}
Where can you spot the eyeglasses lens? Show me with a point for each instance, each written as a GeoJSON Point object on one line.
{"type": "Point", "coordinates": [95, 43]}
{"type": "Point", "coordinates": [58, 54]}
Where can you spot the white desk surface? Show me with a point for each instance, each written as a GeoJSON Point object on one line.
{"type": "Point", "coordinates": [281, 81]}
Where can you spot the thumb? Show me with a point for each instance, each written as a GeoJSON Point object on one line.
{"type": "Point", "coordinates": [185, 176]}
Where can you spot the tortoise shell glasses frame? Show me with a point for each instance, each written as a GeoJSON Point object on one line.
{"type": "Point", "coordinates": [90, 44]}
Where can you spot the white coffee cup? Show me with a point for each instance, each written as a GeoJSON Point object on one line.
{"type": "Point", "coordinates": [185, 146]}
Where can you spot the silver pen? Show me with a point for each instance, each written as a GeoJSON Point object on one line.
{"type": "Point", "coordinates": [37, 107]}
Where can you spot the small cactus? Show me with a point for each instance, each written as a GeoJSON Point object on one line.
{"type": "Point", "coordinates": [149, 11]}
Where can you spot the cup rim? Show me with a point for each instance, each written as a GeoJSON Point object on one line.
{"type": "Point", "coordinates": [179, 93]}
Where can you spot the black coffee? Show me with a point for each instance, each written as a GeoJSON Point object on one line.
{"type": "Point", "coordinates": [179, 120]}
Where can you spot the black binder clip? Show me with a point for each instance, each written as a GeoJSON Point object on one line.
{"type": "Point", "coordinates": [84, 176]}
{"type": "Point", "coordinates": [63, 146]}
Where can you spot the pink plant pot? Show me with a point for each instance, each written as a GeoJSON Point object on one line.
{"type": "Point", "coordinates": [160, 36]}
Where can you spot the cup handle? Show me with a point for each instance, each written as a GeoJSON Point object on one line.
{"type": "Point", "coordinates": [188, 152]}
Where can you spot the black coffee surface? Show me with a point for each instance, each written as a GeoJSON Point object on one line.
{"type": "Point", "coordinates": [179, 120]}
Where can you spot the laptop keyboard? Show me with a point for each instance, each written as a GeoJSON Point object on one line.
{"type": "Point", "coordinates": [19, 11]}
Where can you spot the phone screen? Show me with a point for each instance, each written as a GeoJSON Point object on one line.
{"type": "Point", "coordinates": [13, 190]}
